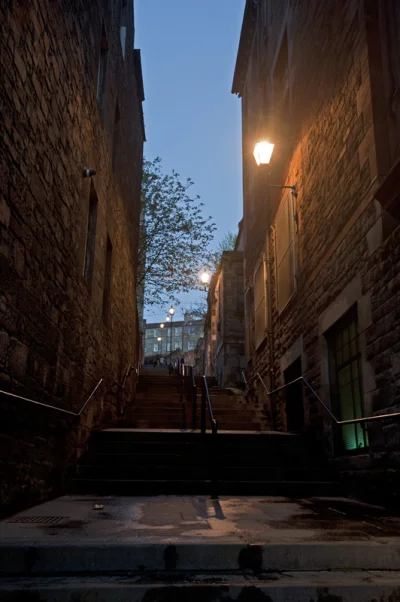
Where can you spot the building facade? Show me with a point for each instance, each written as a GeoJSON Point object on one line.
{"type": "Point", "coordinates": [71, 90]}
{"type": "Point", "coordinates": [181, 335]}
{"type": "Point", "coordinates": [225, 332]}
{"type": "Point", "coordinates": [321, 80]}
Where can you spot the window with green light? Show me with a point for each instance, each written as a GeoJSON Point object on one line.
{"type": "Point", "coordinates": [346, 381]}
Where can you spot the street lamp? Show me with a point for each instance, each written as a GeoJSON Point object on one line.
{"type": "Point", "coordinates": [205, 277]}
{"type": "Point", "coordinates": [262, 154]}
{"type": "Point", "coordinates": [171, 312]}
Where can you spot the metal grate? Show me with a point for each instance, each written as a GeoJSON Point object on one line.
{"type": "Point", "coordinates": [46, 520]}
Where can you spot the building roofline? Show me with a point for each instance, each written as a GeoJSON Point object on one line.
{"type": "Point", "coordinates": [245, 44]}
{"type": "Point", "coordinates": [137, 60]}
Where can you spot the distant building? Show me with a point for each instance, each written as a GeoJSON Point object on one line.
{"type": "Point", "coordinates": [183, 335]}
{"type": "Point", "coordinates": [224, 342]}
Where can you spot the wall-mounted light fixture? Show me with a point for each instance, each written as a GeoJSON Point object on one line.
{"type": "Point", "coordinates": [88, 173]}
{"type": "Point", "coordinates": [262, 153]}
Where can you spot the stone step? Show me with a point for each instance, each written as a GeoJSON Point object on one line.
{"type": "Point", "coordinates": [189, 459]}
{"type": "Point", "coordinates": [335, 586]}
{"type": "Point", "coordinates": [133, 557]}
{"type": "Point", "coordinates": [201, 470]}
{"type": "Point", "coordinates": [266, 438]}
{"type": "Point", "coordinates": [143, 487]}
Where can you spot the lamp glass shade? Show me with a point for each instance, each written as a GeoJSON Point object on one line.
{"type": "Point", "coordinates": [205, 277]}
{"type": "Point", "coordinates": [263, 152]}
{"type": "Point", "coordinates": [167, 319]}
{"type": "Point", "coordinates": [159, 339]}
{"type": "Point", "coordinates": [162, 325]}
{"type": "Point", "coordinates": [171, 310]}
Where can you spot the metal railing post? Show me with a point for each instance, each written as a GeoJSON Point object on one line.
{"type": "Point", "coordinates": [203, 409]}
{"type": "Point", "coordinates": [194, 401]}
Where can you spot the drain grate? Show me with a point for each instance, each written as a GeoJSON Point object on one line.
{"type": "Point", "coordinates": [40, 520]}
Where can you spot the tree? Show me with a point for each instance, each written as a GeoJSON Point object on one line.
{"type": "Point", "coordinates": [226, 244]}
{"type": "Point", "coordinates": [199, 309]}
{"type": "Point", "coordinates": [174, 236]}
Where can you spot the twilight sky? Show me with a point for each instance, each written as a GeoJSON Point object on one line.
{"type": "Point", "coordinates": [192, 120]}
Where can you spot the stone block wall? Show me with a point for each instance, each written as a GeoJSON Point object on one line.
{"type": "Point", "coordinates": [229, 353]}
{"type": "Point", "coordinates": [59, 333]}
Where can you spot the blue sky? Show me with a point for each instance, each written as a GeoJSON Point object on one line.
{"type": "Point", "coordinates": [192, 120]}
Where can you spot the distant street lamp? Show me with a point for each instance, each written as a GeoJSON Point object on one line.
{"type": "Point", "coordinates": [171, 312]}
{"type": "Point", "coordinates": [205, 277]}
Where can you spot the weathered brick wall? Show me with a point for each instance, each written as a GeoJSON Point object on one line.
{"type": "Point", "coordinates": [346, 247]}
{"type": "Point", "coordinates": [54, 344]}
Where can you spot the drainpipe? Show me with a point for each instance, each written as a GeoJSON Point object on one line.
{"type": "Point", "coordinates": [270, 330]}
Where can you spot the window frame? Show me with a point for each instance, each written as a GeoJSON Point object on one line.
{"type": "Point", "coordinates": [248, 322]}
{"type": "Point", "coordinates": [91, 235]}
{"type": "Point", "coordinates": [292, 225]}
{"type": "Point", "coordinates": [336, 371]}
{"type": "Point", "coordinates": [260, 264]}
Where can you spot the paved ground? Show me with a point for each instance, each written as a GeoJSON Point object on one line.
{"type": "Point", "coordinates": [199, 519]}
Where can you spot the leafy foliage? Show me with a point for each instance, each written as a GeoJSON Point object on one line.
{"type": "Point", "coordinates": [174, 236]}
{"type": "Point", "coordinates": [227, 244]}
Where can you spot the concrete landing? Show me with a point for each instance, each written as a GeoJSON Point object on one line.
{"type": "Point", "coordinates": [197, 532]}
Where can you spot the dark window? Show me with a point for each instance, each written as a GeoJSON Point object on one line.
{"type": "Point", "coordinates": [116, 136]}
{"type": "Point", "coordinates": [346, 382]}
{"type": "Point", "coordinates": [107, 283]}
{"type": "Point", "coordinates": [91, 236]}
{"type": "Point", "coordinates": [102, 70]}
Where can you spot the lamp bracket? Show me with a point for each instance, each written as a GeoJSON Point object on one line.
{"type": "Point", "coordinates": [292, 188]}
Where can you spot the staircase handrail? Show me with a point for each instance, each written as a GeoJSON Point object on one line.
{"type": "Point", "coordinates": [331, 415]}
{"type": "Point", "coordinates": [206, 399]}
{"type": "Point", "coordinates": [74, 414]}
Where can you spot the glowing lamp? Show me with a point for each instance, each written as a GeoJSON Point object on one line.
{"type": "Point", "coordinates": [262, 152]}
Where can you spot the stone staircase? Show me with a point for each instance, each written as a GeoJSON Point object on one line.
{"type": "Point", "coordinates": [110, 542]}
{"type": "Point", "coordinates": [151, 452]}
{"type": "Point", "coordinates": [158, 405]}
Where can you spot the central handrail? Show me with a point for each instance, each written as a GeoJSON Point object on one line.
{"type": "Point", "coordinates": [332, 416]}
{"type": "Point", "coordinates": [205, 398]}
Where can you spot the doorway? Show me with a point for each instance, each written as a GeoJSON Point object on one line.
{"type": "Point", "coordinates": [294, 398]}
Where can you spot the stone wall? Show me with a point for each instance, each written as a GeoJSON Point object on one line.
{"type": "Point", "coordinates": [229, 358]}
{"type": "Point", "coordinates": [59, 332]}
{"type": "Point", "coordinates": [346, 244]}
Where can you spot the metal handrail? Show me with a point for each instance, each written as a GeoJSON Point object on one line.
{"type": "Point", "coordinates": [125, 378]}
{"type": "Point", "coordinates": [50, 407]}
{"type": "Point", "coordinates": [206, 397]}
{"type": "Point", "coordinates": [332, 416]}
{"type": "Point", "coordinates": [75, 414]}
